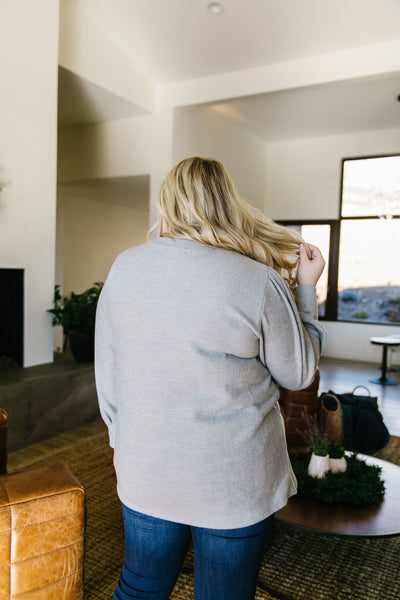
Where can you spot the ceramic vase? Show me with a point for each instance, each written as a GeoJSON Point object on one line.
{"type": "Point", "coordinates": [318, 465]}
{"type": "Point", "coordinates": [337, 465]}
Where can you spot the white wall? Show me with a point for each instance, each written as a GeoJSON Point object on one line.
{"type": "Point", "coordinates": [351, 341]}
{"type": "Point", "coordinates": [204, 132]}
{"type": "Point", "coordinates": [85, 50]}
{"type": "Point", "coordinates": [303, 176]}
{"type": "Point", "coordinates": [126, 147]}
{"type": "Point", "coordinates": [303, 182]}
{"type": "Point", "coordinates": [109, 149]}
{"type": "Point", "coordinates": [144, 145]}
{"type": "Point", "coordinates": [28, 151]}
{"type": "Point", "coordinates": [94, 233]}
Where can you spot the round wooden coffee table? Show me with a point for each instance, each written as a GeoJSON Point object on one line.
{"type": "Point", "coordinates": [377, 520]}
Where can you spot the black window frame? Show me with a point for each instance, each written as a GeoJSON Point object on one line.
{"type": "Point", "coordinates": [331, 305]}
{"type": "Point", "coordinates": [333, 262]}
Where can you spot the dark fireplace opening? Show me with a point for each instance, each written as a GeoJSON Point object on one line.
{"type": "Point", "coordinates": [11, 318]}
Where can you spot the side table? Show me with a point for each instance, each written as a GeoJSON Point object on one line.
{"type": "Point", "coordinates": [385, 342]}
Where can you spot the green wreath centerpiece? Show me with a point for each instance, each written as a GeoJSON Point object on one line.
{"type": "Point", "coordinates": [356, 483]}
{"type": "Point", "coordinates": [360, 485]}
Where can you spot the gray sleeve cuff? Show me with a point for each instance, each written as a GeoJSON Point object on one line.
{"type": "Point", "coordinates": [306, 299]}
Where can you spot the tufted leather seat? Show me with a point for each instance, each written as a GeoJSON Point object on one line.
{"type": "Point", "coordinates": [42, 519]}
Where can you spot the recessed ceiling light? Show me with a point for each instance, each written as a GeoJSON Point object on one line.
{"type": "Point", "coordinates": [215, 8]}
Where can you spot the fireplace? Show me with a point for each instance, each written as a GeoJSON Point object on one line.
{"type": "Point", "coordinates": [11, 317]}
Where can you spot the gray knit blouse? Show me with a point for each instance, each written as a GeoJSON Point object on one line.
{"type": "Point", "coordinates": [191, 344]}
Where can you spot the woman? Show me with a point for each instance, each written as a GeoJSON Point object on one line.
{"type": "Point", "coordinates": [196, 329]}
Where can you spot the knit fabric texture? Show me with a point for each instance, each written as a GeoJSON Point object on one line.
{"type": "Point", "coordinates": [192, 343]}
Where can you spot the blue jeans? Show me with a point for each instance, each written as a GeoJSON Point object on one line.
{"type": "Point", "coordinates": [226, 561]}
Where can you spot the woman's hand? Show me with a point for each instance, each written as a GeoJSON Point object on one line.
{"type": "Point", "coordinates": [311, 265]}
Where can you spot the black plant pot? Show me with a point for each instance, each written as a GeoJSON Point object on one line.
{"type": "Point", "coordinates": [82, 346]}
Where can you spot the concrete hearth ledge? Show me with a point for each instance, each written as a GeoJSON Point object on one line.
{"type": "Point", "coordinates": [48, 399]}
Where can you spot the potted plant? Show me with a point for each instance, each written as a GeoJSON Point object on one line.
{"type": "Point", "coordinates": [337, 459]}
{"type": "Point", "coordinates": [318, 443]}
{"type": "Point", "coordinates": [319, 462]}
{"type": "Point", "coordinates": [76, 313]}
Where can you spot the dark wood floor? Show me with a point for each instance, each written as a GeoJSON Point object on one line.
{"type": "Point", "coordinates": [343, 376]}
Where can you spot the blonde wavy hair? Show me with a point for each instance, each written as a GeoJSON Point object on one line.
{"type": "Point", "coordinates": [198, 200]}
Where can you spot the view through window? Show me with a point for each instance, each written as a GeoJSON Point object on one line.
{"type": "Point", "coordinates": [369, 250]}
{"type": "Point", "coordinates": [361, 281]}
{"type": "Point", "coordinates": [318, 235]}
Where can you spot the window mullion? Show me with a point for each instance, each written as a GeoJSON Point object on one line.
{"type": "Point", "coordinates": [333, 272]}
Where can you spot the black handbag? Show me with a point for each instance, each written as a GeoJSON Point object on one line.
{"type": "Point", "coordinates": [363, 429]}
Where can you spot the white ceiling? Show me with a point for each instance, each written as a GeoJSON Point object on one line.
{"type": "Point", "coordinates": [321, 110]}
{"type": "Point", "coordinates": [174, 40]}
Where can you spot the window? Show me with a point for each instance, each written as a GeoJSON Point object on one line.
{"type": "Point", "coordinates": [318, 234]}
{"type": "Point", "coordinates": [361, 282]}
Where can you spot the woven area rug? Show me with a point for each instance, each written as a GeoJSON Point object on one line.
{"type": "Point", "coordinates": [298, 565]}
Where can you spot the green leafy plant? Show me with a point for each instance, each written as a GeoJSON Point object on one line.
{"type": "Point", "coordinates": [314, 434]}
{"type": "Point", "coordinates": [76, 313]}
{"type": "Point", "coordinates": [361, 314]}
{"type": "Point", "coordinates": [335, 451]}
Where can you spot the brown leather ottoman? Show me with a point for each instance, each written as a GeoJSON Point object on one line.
{"type": "Point", "coordinates": [42, 519]}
